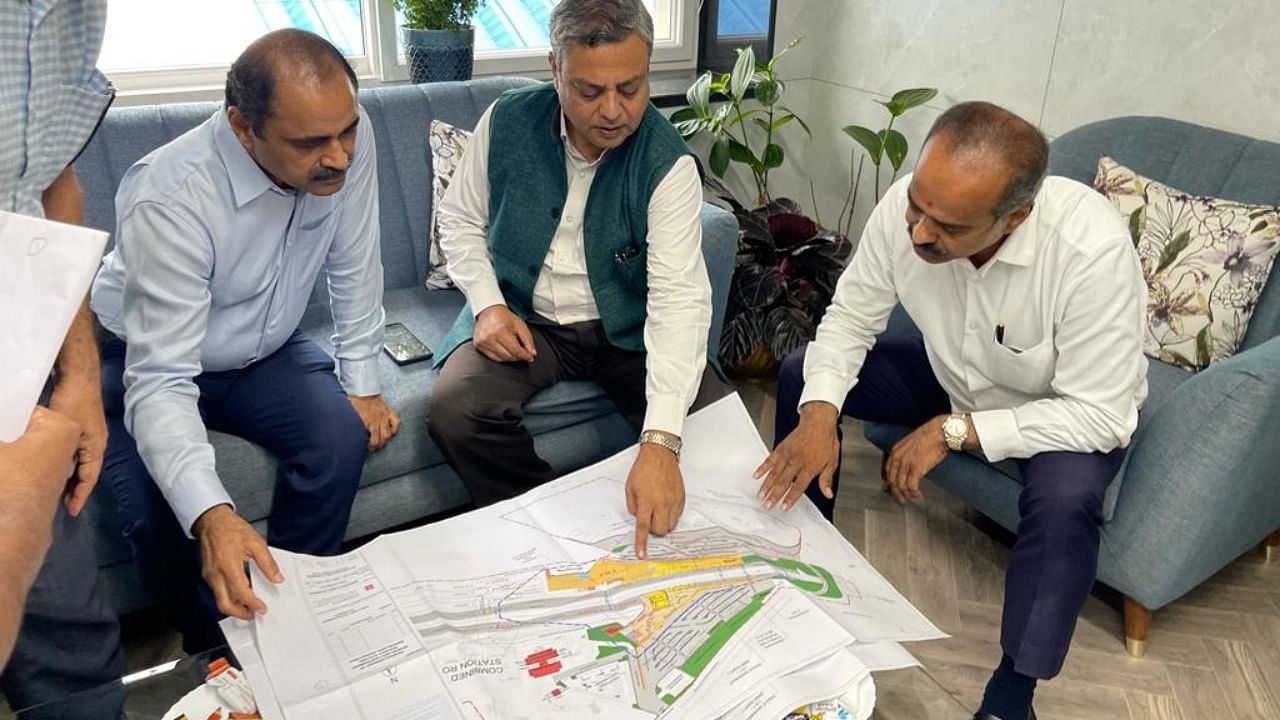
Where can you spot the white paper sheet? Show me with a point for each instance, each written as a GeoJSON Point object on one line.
{"type": "Point", "coordinates": [45, 271]}
{"type": "Point", "coordinates": [538, 608]}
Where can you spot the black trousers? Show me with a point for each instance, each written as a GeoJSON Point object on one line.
{"type": "Point", "coordinates": [1055, 557]}
{"type": "Point", "coordinates": [477, 405]}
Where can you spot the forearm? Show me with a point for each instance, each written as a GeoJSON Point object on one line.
{"type": "Point", "coordinates": [25, 533]}
{"type": "Point", "coordinates": [78, 359]}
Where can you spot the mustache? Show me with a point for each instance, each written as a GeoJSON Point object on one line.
{"type": "Point", "coordinates": [325, 174]}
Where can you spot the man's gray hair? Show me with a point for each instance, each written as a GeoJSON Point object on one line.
{"type": "Point", "coordinates": [588, 23]}
{"type": "Point", "coordinates": [983, 130]}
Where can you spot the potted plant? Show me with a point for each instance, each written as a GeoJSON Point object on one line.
{"type": "Point", "coordinates": [439, 42]}
{"type": "Point", "coordinates": [787, 265]}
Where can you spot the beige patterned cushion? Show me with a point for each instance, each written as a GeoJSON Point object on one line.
{"type": "Point", "coordinates": [447, 145]}
{"type": "Point", "coordinates": [1205, 261]}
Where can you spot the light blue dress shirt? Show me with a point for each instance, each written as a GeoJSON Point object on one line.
{"type": "Point", "coordinates": [51, 95]}
{"type": "Point", "coordinates": [212, 270]}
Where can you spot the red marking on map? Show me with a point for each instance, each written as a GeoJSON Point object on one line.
{"type": "Point", "coordinates": [612, 630]}
{"type": "Point", "coordinates": [369, 587]}
{"type": "Point", "coordinates": [542, 663]}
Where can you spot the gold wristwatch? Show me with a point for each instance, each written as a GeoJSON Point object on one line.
{"type": "Point", "coordinates": [955, 430]}
{"type": "Point", "coordinates": [670, 442]}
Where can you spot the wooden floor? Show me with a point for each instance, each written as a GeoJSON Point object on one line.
{"type": "Point", "coordinates": [1212, 655]}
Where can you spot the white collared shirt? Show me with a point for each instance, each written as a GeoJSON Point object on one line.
{"type": "Point", "coordinates": [679, 299]}
{"type": "Point", "coordinates": [1067, 372]}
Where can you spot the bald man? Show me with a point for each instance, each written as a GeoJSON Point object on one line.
{"type": "Point", "coordinates": [220, 236]}
{"type": "Point", "coordinates": [1030, 301]}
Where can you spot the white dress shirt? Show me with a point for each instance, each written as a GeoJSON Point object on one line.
{"type": "Point", "coordinates": [679, 300]}
{"type": "Point", "coordinates": [1068, 291]}
{"type": "Point", "coordinates": [212, 270]}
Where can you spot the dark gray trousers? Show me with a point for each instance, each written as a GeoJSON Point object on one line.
{"type": "Point", "coordinates": [477, 405]}
{"type": "Point", "coordinates": [69, 642]}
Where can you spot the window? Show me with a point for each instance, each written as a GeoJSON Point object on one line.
{"type": "Point", "coordinates": [730, 24]}
{"type": "Point", "coordinates": [180, 49]}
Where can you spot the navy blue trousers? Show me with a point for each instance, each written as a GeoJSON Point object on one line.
{"type": "Point", "coordinates": [1055, 557]}
{"type": "Point", "coordinates": [291, 404]}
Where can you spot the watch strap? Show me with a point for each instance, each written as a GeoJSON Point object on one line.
{"type": "Point", "coordinates": [653, 437]}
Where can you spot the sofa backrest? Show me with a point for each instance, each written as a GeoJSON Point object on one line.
{"type": "Point", "coordinates": [1192, 158]}
{"type": "Point", "coordinates": [400, 115]}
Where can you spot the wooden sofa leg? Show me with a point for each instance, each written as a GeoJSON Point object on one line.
{"type": "Point", "coordinates": [1271, 546]}
{"type": "Point", "coordinates": [1137, 622]}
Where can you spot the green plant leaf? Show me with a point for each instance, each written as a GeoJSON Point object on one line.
{"type": "Point", "coordinates": [783, 120]}
{"type": "Point", "coordinates": [868, 139]}
{"type": "Point", "coordinates": [773, 155]}
{"type": "Point", "coordinates": [699, 95]}
{"type": "Point", "coordinates": [768, 91]}
{"type": "Point", "coordinates": [743, 70]}
{"type": "Point", "coordinates": [719, 157]}
{"type": "Point", "coordinates": [741, 116]}
{"type": "Point", "coordinates": [1172, 249]}
{"type": "Point", "coordinates": [913, 97]}
{"type": "Point", "coordinates": [895, 147]}
{"type": "Point", "coordinates": [683, 114]}
{"type": "Point", "coordinates": [1204, 347]}
{"type": "Point", "coordinates": [740, 336]}
{"type": "Point", "coordinates": [689, 128]}
{"type": "Point", "coordinates": [740, 153]}
{"type": "Point", "coordinates": [799, 119]}
{"type": "Point", "coordinates": [783, 51]}
{"type": "Point", "coordinates": [761, 123]}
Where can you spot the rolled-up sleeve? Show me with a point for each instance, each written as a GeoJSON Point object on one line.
{"type": "Point", "coordinates": [354, 268]}
{"type": "Point", "coordinates": [165, 314]}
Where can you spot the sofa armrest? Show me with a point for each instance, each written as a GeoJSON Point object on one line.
{"type": "Point", "coordinates": [1198, 485]}
{"type": "Point", "coordinates": [719, 250]}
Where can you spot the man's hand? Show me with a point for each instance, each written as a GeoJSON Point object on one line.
{"type": "Point", "coordinates": [40, 461]}
{"type": "Point", "coordinates": [379, 419]}
{"type": "Point", "coordinates": [226, 542]}
{"type": "Point", "coordinates": [812, 449]}
{"type": "Point", "coordinates": [80, 399]}
{"type": "Point", "coordinates": [502, 336]}
{"type": "Point", "coordinates": [655, 493]}
{"type": "Point", "coordinates": [913, 457]}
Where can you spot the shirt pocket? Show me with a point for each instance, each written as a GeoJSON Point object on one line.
{"type": "Point", "coordinates": [1029, 370]}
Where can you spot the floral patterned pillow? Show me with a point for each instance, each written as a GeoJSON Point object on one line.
{"type": "Point", "coordinates": [1205, 261]}
{"type": "Point", "coordinates": [447, 145]}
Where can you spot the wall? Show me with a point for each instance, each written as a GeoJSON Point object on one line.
{"type": "Point", "coordinates": [1059, 63]}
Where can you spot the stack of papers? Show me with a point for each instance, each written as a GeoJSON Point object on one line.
{"type": "Point", "coordinates": [538, 607]}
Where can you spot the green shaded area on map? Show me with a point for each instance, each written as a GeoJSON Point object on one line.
{"type": "Point", "coordinates": [823, 584]}
{"type": "Point", "coordinates": [719, 635]}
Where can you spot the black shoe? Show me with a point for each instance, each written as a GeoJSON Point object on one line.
{"type": "Point", "coordinates": [1031, 715]}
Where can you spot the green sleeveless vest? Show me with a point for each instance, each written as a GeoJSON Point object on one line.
{"type": "Point", "coordinates": [527, 188]}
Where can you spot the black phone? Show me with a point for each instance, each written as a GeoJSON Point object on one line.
{"type": "Point", "coordinates": [403, 346]}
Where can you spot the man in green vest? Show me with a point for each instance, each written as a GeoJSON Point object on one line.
{"type": "Point", "coordinates": [572, 227]}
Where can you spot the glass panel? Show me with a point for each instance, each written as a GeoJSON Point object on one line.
{"type": "Point", "coordinates": [159, 34]}
{"type": "Point", "coordinates": [503, 26]}
{"type": "Point", "coordinates": [743, 17]}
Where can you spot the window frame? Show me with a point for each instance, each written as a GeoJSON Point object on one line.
{"type": "Point", "coordinates": [381, 62]}
{"type": "Point", "coordinates": [718, 54]}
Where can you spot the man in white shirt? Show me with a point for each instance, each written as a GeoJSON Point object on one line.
{"type": "Point", "coordinates": [572, 226]}
{"type": "Point", "coordinates": [1030, 301]}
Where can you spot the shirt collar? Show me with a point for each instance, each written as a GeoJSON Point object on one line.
{"type": "Point", "coordinates": [573, 151]}
{"type": "Point", "coordinates": [248, 181]}
{"type": "Point", "coordinates": [1020, 247]}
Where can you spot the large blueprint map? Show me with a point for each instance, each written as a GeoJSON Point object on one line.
{"type": "Point", "coordinates": [539, 608]}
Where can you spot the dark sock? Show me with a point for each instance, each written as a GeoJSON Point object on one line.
{"type": "Point", "coordinates": [1009, 692]}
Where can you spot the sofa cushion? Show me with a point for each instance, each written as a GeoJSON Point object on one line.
{"type": "Point", "coordinates": [447, 145]}
{"type": "Point", "coordinates": [1205, 261]}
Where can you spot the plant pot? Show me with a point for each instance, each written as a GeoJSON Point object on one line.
{"type": "Point", "coordinates": [438, 55]}
{"type": "Point", "coordinates": [759, 365]}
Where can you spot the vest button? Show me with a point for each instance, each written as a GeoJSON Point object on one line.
{"type": "Point", "coordinates": [533, 271]}
{"type": "Point", "coordinates": [555, 213]}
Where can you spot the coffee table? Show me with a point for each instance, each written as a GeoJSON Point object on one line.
{"type": "Point", "coordinates": [908, 694]}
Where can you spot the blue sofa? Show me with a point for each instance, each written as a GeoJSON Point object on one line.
{"type": "Point", "coordinates": [573, 424]}
{"type": "Point", "coordinates": [1201, 483]}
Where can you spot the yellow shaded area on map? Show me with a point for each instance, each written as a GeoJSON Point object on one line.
{"type": "Point", "coordinates": [608, 571]}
